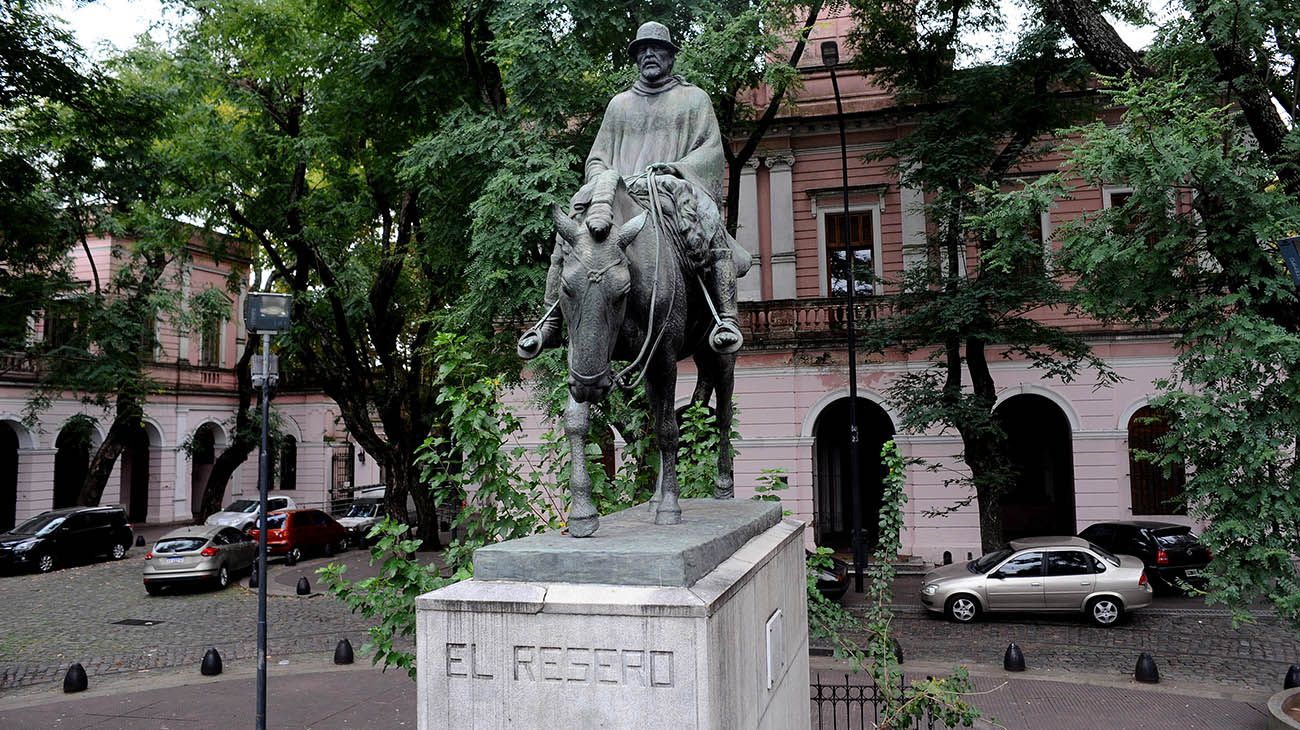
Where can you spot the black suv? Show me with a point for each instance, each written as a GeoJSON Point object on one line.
{"type": "Point", "coordinates": [1170, 552]}
{"type": "Point", "coordinates": [66, 535]}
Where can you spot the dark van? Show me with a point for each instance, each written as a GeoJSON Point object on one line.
{"type": "Point", "coordinates": [62, 536]}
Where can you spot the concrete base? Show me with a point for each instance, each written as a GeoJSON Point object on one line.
{"type": "Point", "coordinates": [729, 651]}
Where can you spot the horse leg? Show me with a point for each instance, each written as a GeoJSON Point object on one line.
{"type": "Point", "coordinates": [660, 390]}
{"type": "Point", "coordinates": [724, 385]}
{"type": "Point", "coordinates": [583, 519]}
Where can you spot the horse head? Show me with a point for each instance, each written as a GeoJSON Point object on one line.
{"type": "Point", "coordinates": [595, 283]}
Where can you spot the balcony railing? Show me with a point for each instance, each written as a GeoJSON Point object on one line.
{"type": "Point", "coordinates": [785, 321]}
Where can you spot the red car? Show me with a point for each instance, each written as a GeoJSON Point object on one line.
{"type": "Point", "coordinates": [296, 532]}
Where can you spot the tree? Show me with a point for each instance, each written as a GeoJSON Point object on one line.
{"type": "Point", "coordinates": [1212, 164]}
{"type": "Point", "coordinates": [78, 161]}
{"type": "Point", "coordinates": [968, 131]}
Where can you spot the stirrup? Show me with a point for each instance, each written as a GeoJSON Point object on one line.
{"type": "Point", "coordinates": [726, 326]}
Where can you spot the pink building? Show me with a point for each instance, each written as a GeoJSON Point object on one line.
{"type": "Point", "coordinates": [1072, 442]}
{"type": "Point", "coordinates": [161, 475]}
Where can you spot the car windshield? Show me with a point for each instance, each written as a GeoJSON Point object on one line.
{"type": "Point", "coordinates": [1103, 552]}
{"type": "Point", "coordinates": [1174, 537]}
{"type": "Point", "coordinates": [985, 563]}
{"type": "Point", "coordinates": [363, 510]}
{"type": "Point", "coordinates": [39, 525]}
{"type": "Point", "coordinates": [275, 522]}
{"type": "Point", "coordinates": [180, 544]}
{"type": "Point", "coordinates": [242, 505]}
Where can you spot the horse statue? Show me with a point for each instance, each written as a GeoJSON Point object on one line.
{"type": "Point", "coordinates": [630, 291]}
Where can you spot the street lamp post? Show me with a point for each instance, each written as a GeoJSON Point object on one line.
{"type": "Point", "coordinates": [264, 314]}
{"type": "Point", "coordinates": [831, 59]}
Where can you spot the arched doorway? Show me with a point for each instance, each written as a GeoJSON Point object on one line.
{"type": "Point", "coordinates": [203, 454]}
{"type": "Point", "coordinates": [71, 462]}
{"type": "Point", "coordinates": [834, 493]}
{"type": "Point", "coordinates": [288, 462]}
{"type": "Point", "coordinates": [8, 476]}
{"type": "Point", "coordinates": [1040, 499]}
{"type": "Point", "coordinates": [135, 471]}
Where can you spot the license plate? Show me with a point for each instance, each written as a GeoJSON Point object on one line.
{"type": "Point", "coordinates": [1192, 573]}
{"type": "Point", "coordinates": [174, 560]}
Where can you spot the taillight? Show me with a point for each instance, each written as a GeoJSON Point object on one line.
{"type": "Point", "coordinates": [148, 555]}
{"type": "Point", "coordinates": [1143, 580]}
{"type": "Point", "coordinates": [208, 551]}
{"type": "Point", "coordinates": [1162, 557]}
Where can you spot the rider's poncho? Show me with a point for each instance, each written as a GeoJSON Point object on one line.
{"type": "Point", "coordinates": [671, 123]}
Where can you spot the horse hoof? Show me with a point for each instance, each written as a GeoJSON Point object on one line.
{"type": "Point", "coordinates": [668, 517]}
{"type": "Point", "coordinates": [583, 526]}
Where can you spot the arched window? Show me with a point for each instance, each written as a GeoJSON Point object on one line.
{"type": "Point", "coordinates": [1153, 492]}
{"type": "Point", "coordinates": [289, 463]}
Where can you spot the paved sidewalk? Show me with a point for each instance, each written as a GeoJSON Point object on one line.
{"type": "Point", "coordinates": [313, 694]}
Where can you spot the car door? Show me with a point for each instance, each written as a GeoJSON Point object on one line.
{"type": "Point", "coordinates": [69, 538]}
{"type": "Point", "coordinates": [1070, 579]}
{"type": "Point", "coordinates": [1017, 585]}
{"type": "Point", "coordinates": [240, 547]}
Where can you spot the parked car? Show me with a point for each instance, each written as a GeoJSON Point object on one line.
{"type": "Point", "coordinates": [359, 517]}
{"type": "Point", "coordinates": [241, 514]}
{"type": "Point", "coordinates": [832, 575]}
{"type": "Point", "coordinates": [65, 535]}
{"type": "Point", "coordinates": [198, 554]}
{"type": "Point", "coordinates": [299, 532]}
{"type": "Point", "coordinates": [1170, 552]}
{"type": "Point", "coordinates": [1041, 574]}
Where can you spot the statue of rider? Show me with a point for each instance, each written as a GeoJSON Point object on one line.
{"type": "Point", "coordinates": [663, 126]}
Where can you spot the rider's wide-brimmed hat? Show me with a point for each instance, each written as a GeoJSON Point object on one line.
{"type": "Point", "coordinates": [652, 32]}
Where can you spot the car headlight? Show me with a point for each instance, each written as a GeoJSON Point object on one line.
{"type": "Point", "coordinates": [930, 590]}
{"type": "Point", "coordinates": [23, 547]}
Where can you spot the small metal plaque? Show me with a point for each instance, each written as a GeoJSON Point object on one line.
{"type": "Point", "coordinates": [137, 622]}
{"type": "Point", "coordinates": [775, 647]}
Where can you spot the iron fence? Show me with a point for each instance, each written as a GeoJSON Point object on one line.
{"type": "Point", "coordinates": [854, 703]}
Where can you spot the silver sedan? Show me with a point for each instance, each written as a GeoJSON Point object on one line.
{"type": "Point", "coordinates": [1048, 574]}
{"type": "Point", "coordinates": [198, 554]}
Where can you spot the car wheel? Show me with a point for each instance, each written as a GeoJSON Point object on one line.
{"type": "Point", "coordinates": [295, 554]}
{"type": "Point", "coordinates": [152, 589]}
{"type": "Point", "coordinates": [45, 563]}
{"type": "Point", "coordinates": [119, 551]}
{"type": "Point", "coordinates": [223, 577]}
{"type": "Point", "coordinates": [962, 608]}
{"type": "Point", "coordinates": [1105, 611]}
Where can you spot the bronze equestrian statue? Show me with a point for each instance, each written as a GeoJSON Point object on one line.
{"type": "Point", "coordinates": [644, 270]}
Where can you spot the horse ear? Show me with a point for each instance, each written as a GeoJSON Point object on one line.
{"type": "Point", "coordinates": [630, 230]}
{"type": "Point", "coordinates": [565, 225]}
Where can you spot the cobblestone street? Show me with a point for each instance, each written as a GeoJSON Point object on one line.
{"type": "Point", "coordinates": [1189, 641]}
{"type": "Point", "coordinates": [73, 615]}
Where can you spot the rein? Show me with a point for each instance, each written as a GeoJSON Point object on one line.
{"type": "Point", "coordinates": [648, 349]}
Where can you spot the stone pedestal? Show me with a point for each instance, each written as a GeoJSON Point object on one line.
{"type": "Point", "coordinates": [697, 626]}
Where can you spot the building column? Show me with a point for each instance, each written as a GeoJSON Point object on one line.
{"type": "Point", "coordinates": [181, 507]}
{"type": "Point", "coordinates": [750, 286]}
{"type": "Point", "coordinates": [780, 183]}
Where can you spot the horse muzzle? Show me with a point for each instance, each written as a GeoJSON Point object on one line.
{"type": "Point", "coordinates": [590, 388]}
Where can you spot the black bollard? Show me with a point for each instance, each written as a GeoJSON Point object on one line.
{"type": "Point", "coordinates": [898, 650]}
{"type": "Point", "coordinates": [1014, 659]}
{"type": "Point", "coordinates": [252, 577]}
{"type": "Point", "coordinates": [211, 665]}
{"type": "Point", "coordinates": [139, 540]}
{"type": "Point", "coordinates": [343, 652]}
{"type": "Point", "coordinates": [75, 679]}
{"type": "Point", "coordinates": [291, 558]}
{"type": "Point", "coordinates": [304, 588]}
{"type": "Point", "coordinates": [1292, 677]}
{"type": "Point", "coordinates": [1146, 670]}
{"type": "Point", "coordinates": [947, 557]}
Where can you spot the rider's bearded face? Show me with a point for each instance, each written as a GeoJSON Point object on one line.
{"type": "Point", "coordinates": [655, 61]}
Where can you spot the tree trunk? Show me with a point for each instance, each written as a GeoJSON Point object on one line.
{"type": "Point", "coordinates": [129, 415]}
{"type": "Point", "coordinates": [984, 448]}
{"type": "Point", "coordinates": [241, 445]}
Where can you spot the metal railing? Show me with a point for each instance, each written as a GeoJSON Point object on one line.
{"type": "Point", "coordinates": [784, 320]}
{"type": "Point", "coordinates": [840, 703]}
